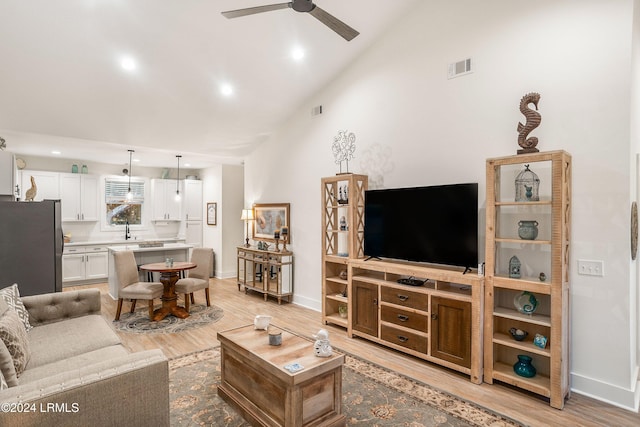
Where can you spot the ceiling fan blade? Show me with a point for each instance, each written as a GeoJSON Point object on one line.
{"type": "Point", "coordinates": [252, 10]}
{"type": "Point", "coordinates": [334, 23]}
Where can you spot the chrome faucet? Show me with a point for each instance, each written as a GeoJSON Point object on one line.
{"type": "Point", "coordinates": [127, 233]}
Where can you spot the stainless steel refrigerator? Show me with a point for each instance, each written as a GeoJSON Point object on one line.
{"type": "Point", "coordinates": [31, 244]}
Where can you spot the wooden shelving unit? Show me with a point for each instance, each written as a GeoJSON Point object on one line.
{"type": "Point", "coordinates": [549, 254]}
{"type": "Point", "coordinates": [342, 239]}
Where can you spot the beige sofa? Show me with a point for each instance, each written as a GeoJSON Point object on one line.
{"type": "Point", "coordinates": [79, 373]}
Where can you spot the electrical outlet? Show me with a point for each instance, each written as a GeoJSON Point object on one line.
{"type": "Point", "coordinates": [590, 267]}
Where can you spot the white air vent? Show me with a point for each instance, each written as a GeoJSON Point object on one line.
{"type": "Point", "coordinates": [316, 111]}
{"type": "Point", "coordinates": [460, 68]}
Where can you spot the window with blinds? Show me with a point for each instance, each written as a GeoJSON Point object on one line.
{"type": "Point", "coordinates": [116, 191]}
{"type": "Point", "coordinates": [121, 210]}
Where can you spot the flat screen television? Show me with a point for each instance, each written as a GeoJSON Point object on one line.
{"type": "Point", "coordinates": [435, 224]}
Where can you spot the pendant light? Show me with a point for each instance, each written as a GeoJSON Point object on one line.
{"type": "Point", "coordinates": [178, 179]}
{"type": "Point", "coordinates": [129, 194]}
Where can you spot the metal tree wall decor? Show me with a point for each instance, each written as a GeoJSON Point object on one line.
{"type": "Point", "coordinates": [533, 121]}
{"type": "Point", "coordinates": [344, 147]}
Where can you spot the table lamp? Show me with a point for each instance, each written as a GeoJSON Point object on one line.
{"type": "Point", "coordinates": [247, 215]}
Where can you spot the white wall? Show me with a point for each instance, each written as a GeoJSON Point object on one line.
{"type": "Point", "coordinates": [397, 100]}
{"type": "Point", "coordinates": [634, 157]}
{"type": "Point", "coordinates": [212, 192]}
{"type": "Point", "coordinates": [233, 203]}
{"type": "Point", "coordinates": [224, 185]}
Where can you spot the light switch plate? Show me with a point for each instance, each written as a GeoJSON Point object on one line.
{"type": "Point", "coordinates": [591, 267]}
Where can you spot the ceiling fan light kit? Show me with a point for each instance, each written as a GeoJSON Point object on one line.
{"type": "Point", "coordinates": [303, 6]}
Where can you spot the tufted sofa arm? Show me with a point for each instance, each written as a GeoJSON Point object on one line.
{"type": "Point", "coordinates": [54, 307]}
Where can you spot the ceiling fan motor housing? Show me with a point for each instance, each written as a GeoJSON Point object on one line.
{"type": "Point", "coordinates": [302, 5]}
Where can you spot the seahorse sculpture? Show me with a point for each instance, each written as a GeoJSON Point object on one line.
{"type": "Point", "coordinates": [533, 121]}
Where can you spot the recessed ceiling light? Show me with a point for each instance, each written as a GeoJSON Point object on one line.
{"type": "Point", "coordinates": [297, 53]}
{"type": "Point", "coordinates": [56, 152]}
{"type": "Point", "coordinates": [128, 63]}
{"type": "Point", "coordinates": [187, 165]}
{"type": "Point", "coordinates": [136, 160]}
{"type": "Point", "coordinates": [226, 89]}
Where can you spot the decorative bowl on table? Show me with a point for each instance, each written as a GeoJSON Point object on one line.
{"type": "Point", "coordinates": [525, 303]}
{"type": "Point", "coordinates": [518, 334]}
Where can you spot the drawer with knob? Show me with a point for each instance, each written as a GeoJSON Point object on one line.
{"type": "Point", "coordinates": [417, 300]}
{"type": "Point", "coordinates": [403, 338]}
{"type": "Point", "coordinates": [404, 318]}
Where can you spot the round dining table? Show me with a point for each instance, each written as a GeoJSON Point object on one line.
{"type": "Point", "coordinates": [169, 275]}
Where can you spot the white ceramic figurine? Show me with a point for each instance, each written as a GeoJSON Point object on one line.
{"type": "Point", "coordinates": [322, 347]}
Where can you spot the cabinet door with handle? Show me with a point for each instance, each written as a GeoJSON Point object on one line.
{"type": "Point", "coordinates": [451, 330]}
{"type": "Point", "coordinates": [97, 265]}
{"type": "Point", "coordinates": [365, 311]}
{"type": "Point", "coordinates": [72, 267]}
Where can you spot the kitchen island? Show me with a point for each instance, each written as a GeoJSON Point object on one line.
{"type": "Point", "coordinates": [145, 255]}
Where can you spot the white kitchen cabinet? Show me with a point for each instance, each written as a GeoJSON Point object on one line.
{"type": "Point", "coordinates": [96, 265]}
{"type": "Point", "coordinates": [47, 184]}
{"type": "Point", "coordinates": [193, 233]}
{"type": "Point", "coordinates": [165, 205]}
{"type": "Point", "coordinates": [8, 176]}
{"type": "Point", "coordinates": [192, 205]}
{"type": "Point", "coordinates": [85, 263]}
{"type": "Point", "coordinates": [72, 267]}
{"type": "Point", "coordinates": [79, 195]}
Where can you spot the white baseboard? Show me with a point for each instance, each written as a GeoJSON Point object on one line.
{"type": "Point", "coordinates": [225, 274]}
{"type": "Point", "coordinates": [621, 397]}
{"type": "Point", "coordinates": [311, 304]}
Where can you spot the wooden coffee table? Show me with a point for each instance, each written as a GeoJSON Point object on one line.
{"type": "Point", "coordinates": [255, 382]}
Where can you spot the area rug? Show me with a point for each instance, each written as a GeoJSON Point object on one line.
{"type": "Point", "coordinates": [371, 396]}
{"type": "Point", "coordinates": [138, 321]}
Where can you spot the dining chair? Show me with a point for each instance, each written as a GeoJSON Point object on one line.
{"type": "Point", "coordinates": [129, 284]}
{"type": "Point", "coordinates": [198, 277]}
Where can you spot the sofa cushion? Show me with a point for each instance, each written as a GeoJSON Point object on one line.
{"type": "Point", "coordinates": [3, 382]}
{"type": "Point", "coordinates": [74, 363]}
{"type": "Point", "coordinates": [11, 296]}
{"type": "Point", "coordinates": [14, 336]}
{"type": "Point", "coordinates": [56, 341]}
{"type": "Point", "coordinates": [60, 306]}
{"type": "Point", "coordinates": [3, 306]}
{"type": "Point", "coordinates": [6, 366]}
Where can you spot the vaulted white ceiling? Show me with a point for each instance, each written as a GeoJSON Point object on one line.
{"type": "Point", "coordinates": [62, 85]}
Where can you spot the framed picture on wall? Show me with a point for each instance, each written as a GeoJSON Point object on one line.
{"type": "Point", "coordinates": [268, 218]}
{"type": "Point", "coordinates": [212, 212]}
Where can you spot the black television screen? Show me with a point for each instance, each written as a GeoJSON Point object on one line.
{"type": "Point", "coordinates": [436, 224]}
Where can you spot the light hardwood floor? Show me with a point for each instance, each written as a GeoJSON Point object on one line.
{"type": "Point", "coordinates": [240, 309]}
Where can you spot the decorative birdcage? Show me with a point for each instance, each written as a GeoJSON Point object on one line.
{"type": "Point", "coordinates": [527, 186]}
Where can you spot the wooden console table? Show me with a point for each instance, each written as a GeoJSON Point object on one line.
{"type": "Point", "coordinates": [254, 380]}
{"type": "Point", "coordinates": [267, 272]}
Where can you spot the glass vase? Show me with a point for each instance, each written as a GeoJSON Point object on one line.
{"type": "Point", "coordinates": [523, 367]}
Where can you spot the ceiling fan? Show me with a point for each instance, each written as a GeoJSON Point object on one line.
{"type": "Point", "coordinates": [305, 6]}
